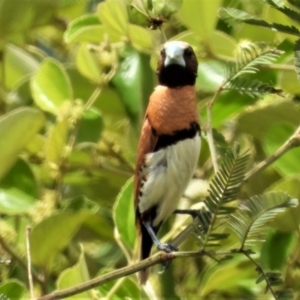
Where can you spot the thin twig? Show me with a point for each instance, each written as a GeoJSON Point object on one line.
{"type": "Point", "coordinates": [29, 271]}
{"type": "Point", "coordinates": [292, 142]}
{"type": "Point", "coordinates": [259, 268]}
{"type": "Point", "coordinates": [23, 264]}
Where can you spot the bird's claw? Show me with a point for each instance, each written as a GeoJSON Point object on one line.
{"type": "Point", "coordinates": [167, 247]}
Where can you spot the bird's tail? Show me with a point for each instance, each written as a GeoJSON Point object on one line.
{"type": "Point", "coordinates": [145, 249]}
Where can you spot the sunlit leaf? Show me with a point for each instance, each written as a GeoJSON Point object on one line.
{"type": "Point", "coordinates": [13, 289]}
{"type": "Point", "coordinates": [124, 215]}
{"type": "Point", "coordinates": [51, 86]}
{"type": "Point", "coordinates": [17, 128]}
{"type": "Point", "coordinates": [75, 275]}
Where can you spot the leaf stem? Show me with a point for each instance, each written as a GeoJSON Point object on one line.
{"type": "Point", "coordinates": [29, 270]}
{"type": "Point", "coordinates": [292, 142]}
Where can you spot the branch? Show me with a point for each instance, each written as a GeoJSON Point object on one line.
{"type": "Point", "coordinates": [292, 142]}
{"type": "Point", "coordinates": [29, 269]}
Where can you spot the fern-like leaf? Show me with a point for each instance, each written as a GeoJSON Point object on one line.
{"type": "Point", "coordinates": [223, 189]}
{"type": "Point", "coordinates": [250, 218]}
{"type": "Point", "coordinates": [233, 15]}
{"type": "Point", "coordinates": [251, 87]}
{"type": "Point", "coordinates": [297, 58]}
{"type": "Point", "coordinates": [249, 58]}
{"type": "Point", "coordinates": [279, 5]}
{"type": "Point", "coordinates": [295, 3]}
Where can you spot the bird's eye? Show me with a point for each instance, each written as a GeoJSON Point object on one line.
{"type": "Point", "coordinates": [163, 52]}
{"type": "Point", "coordinates": [188, 52]}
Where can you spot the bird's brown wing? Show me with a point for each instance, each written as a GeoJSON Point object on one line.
{"type": "Point", "coordinates": [147, 143]}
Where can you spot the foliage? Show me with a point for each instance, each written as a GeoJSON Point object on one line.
{"type": "Point", "coordinates": [75, 79]}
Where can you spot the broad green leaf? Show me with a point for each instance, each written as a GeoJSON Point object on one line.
{"type": "Point", "coordinates": [51, 86]}
{"type": "Point", "coordinates": [18, 64]}
{"type": "Point", "coordinates": [13, 289]}
{"type": "Point", "coordinates": [17, 128]}
{"type": "Point", "coordinates": [267, 114]}
{"type": "Point", "coordinates": [75, 275]}
{"type": "Point", "coordinates": [211, 74]}
{"type": "Point", "coordinates": [287, 79]}
{"type": "Point", "coordinates": [215, 277]}
{"type": "Point", "coordinates": [284, 243]}
{"type": "Point", "coordinates": [222, 44]}
{"type": "Point", "coordinates": [87, 28]}
{"type": "Point", "coordinates": [134, 81]}
{"type": "Point", "coordinates": [124, 215]}
{"type": "Point", "coordinates": [200, 16]}
{"type": "Point", "coordinates": [113, 15]}
{"type": "Point", "coordinates": [88, 64]}
{"type": "Point", "coordinates": [18, 190]}
{"type": "Point", "coordinates": [275, 136]}
{"type": "Point", "coordinates": [140, 37]}
{"type": "Point", "coordinates": [165, 8]}
{"type": "Point", "coordinates": [188, 36]}
{"type": "Point", "coordinates": [289, 220]}
{"type": "Point", "coordinates": [127, 289]}
{"type": "Point", "coordinates": [54, 233]}
{"type": "Point", "coordinates": [56, 142]}
{"type": "Point", "coordinates": [21, 16]}
{"type": "Point", "coordinates": [90, 127]}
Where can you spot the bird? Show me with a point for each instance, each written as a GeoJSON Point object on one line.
{"type": "Point", "coordinates": [168, 148]}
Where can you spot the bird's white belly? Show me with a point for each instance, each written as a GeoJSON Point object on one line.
{"type": "Point", "coordinates": [168, 172]}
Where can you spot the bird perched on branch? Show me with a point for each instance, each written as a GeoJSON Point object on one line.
{"type": "Point", "coordinates": [169, 146]}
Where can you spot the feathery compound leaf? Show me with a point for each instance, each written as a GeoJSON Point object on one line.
{"type": "Point", "coordinates": [295, 3]}
{"type": "Point", "coordinates": [279, 5]}
{"type": "Point", "coordinates": [297, 58]}
{"type": "Point", "coordinates": [233, 15]}
{"type": "Point", "coordinates": [249, 219]}
{"type": "Point", "coordinates": [225, 186]}
{"type": "Point", "coordinates": [249, 58]}
{"type": "Point", "coordinates": [251, 87]}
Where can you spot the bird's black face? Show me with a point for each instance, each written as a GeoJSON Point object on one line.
{"type": "Point", "coordinates": [177, 65]}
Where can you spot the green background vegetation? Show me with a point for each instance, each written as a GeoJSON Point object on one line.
{"type": "Point", "coordinates": [75, 78]}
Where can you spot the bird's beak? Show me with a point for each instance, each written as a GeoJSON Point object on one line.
{"type": "Point", "coordinates": [174, 56]}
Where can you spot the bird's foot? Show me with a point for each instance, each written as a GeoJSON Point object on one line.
{"type": "Point", "coordinates": [169, 249]}
{"type": "Point", "coordinates": [166, 247]}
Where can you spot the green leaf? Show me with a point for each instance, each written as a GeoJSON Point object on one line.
{"type": "Point", "coordinates": [292, 14]}
{"type": "Point", "coordinates": [17, 128]}
{"type": "Point", "coordinates": [288, 164]}
{"type": "Point", "coordinates": [56, 142]}
{"type": "Point", "coordinates": [134, 81]}
{"type": "Point", "coordinates": [232, 16]}
{"type": "Point", "coordinates": [165, 8]}
{"type": "Point", "coordinates": [76, 275]}
{"type": "Point", "coordinates": [90, 127]}
{"type": "Point", "coordinates": [113, 15]}
{"type": "Point", "coordinates": [18, 190]}
{"type": "Point", "coordinates": [127, 289]}
{"type": "Point", "coordinates": [251, 87]}
{"type": "Point", "coordinates": [140, 37]}
{"type": "Point", "coordinates": [28, 15]}
{"type": "Point", "coordinates": [200, 16]}
{"type": "Point", "coordinates": [284, 243]}
{"type": "Point", "coordinates": [88, 64]}
{"type": "Point", "coordinates": [250, 57]}
{"type": "Point", "coordinates": [297, 58]}
{"type": "Point", "coordinates": [211, 74]}
{"type": "Point", "coordinates": [250, 218]}
{"type": "Point", "coordinates": [87, 28]}
{"type": "Point", "coordinates": [124, 215]}
{"type": "Point", "coordinates": [18, 64]}
{"type": "Point", "coordinates": [13, 289]}
{"type": "Point", "coordinates": [51, 86]}
{"type": "Point", "coordinates": [54, 233]}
